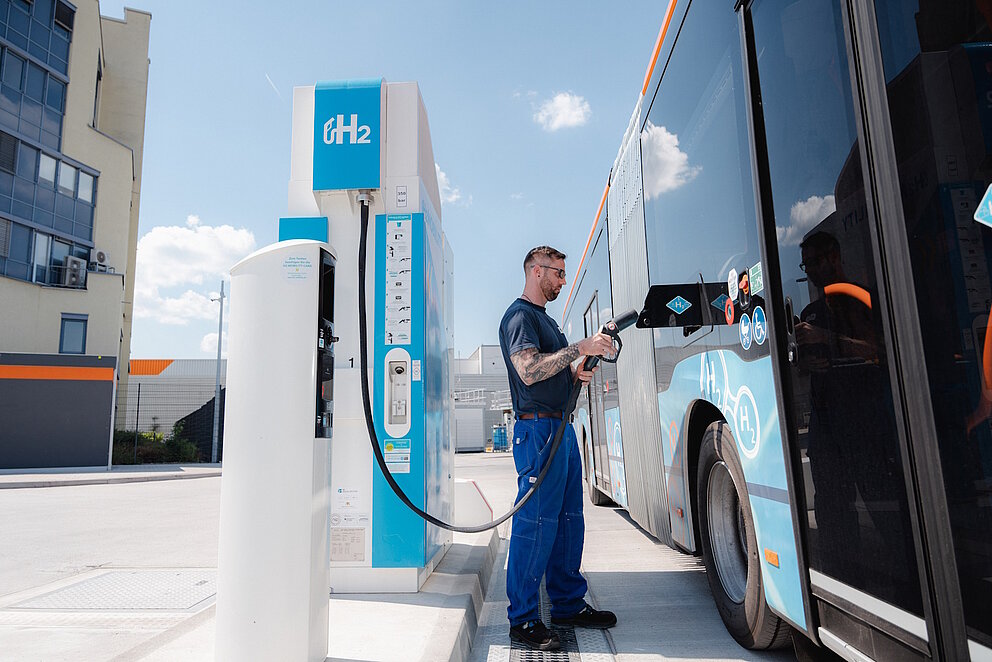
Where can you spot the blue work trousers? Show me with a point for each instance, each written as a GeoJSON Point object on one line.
{"type": "Point", "coordinates": [548, 532]}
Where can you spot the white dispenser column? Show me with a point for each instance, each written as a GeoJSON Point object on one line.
{"type": "Point", "coordinates": [272, 596]}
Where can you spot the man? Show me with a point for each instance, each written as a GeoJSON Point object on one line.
{"type": "Point", "coordinates": [548, 531]}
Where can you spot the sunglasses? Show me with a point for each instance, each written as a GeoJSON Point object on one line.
{"type": "Point", "coordinates": [561, 272]}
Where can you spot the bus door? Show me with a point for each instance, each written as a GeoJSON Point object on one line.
{"type": "Point", "coordinates": [599, 465]}
{"type": "Point", "coordinates": [832, 334]}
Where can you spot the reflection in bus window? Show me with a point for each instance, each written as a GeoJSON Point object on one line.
{"type": "Point", "coordinates": [858, 520]}
{"type": "Point", "coordinates": [937, 56]}
{"type": "Point", "coordinates": [698, 200]}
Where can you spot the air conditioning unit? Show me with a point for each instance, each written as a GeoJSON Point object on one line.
{"type": "Point", "coordinates": [74, 273]}
{"type": "Point", "coordinates": [99, 259]}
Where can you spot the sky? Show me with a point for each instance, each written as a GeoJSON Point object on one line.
{"type": "Point", "coordinates": [527, 103]}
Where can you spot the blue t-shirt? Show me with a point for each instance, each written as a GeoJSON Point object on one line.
{"type": "Point", "coordinates": [523, 326]}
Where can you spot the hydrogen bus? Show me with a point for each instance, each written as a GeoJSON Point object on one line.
{"type": "Point", "coordinates": [800, 211]}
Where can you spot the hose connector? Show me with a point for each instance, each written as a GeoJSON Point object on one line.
{"type": "Point", "coordinates": [364, 197]}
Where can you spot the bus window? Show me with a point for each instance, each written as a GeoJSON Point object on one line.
{"type": "Point", "coordinates": [698, 199]}
{"type": "Point", "coordinates": [937, 58]}
{"type": "Point", "coordinates": [837, 387]}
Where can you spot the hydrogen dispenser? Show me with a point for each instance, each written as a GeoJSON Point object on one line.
{"type": "Point", "coordinates": [368, 142]}
{"type": "Point", "coordinates": [272, 600]}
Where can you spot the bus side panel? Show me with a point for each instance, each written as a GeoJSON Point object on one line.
{"type": "Point", "coordinates": [744, 392]}
{"type": "Point", "coordinates": [642, 455]}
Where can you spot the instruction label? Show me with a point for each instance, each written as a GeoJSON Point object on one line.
{"type": "Point", "coordinates": [346, 499]}
{"type": "Point", "coordinates": [397, 454]}
{"type": "Point", "coordinates": [347, 543]}
{"type": "Point", "coordinates": [297, 267]}
{"type": "Point", "coordinates": [399, 276]}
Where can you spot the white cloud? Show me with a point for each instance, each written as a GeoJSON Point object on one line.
{"type": "Point", "coordinates": [563, 110]}
{"type": "Point", "coordinates": [449, 194]}
{"type": "Point", "coordinates": [516, 196]}
{"type": "Point", "coordinates": [208, 345]}
{"type": "Point", "coordinates": [666, 167]}
{"type": "Point", "coordinates": [803, 216]}
{"type": "Point", "coordinates": [174, 263]}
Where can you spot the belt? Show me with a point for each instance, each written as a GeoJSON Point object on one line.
{"type": "Point", "coordinates": [541, 414]}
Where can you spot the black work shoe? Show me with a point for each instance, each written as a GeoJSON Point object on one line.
{"type": "Point", "coordinates": [588, 618]}
{"type": "Point", "coordinates": [535, 635]}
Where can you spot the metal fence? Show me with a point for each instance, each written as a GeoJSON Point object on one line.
{"type": "Point", "coordinates": [181, 409]}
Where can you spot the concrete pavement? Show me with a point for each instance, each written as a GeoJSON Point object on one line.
{"type": "Point", "coordinates": [126, 570]}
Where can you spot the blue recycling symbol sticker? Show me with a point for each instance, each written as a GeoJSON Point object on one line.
{"type": "Point", "coordinates": [679, 305]}
{"type": "Point", "coordinates": [720, 302]}
{"type": "Point", "coordinates": [745, 331]}
{"type": "Point", "coordinates": [760, 326]}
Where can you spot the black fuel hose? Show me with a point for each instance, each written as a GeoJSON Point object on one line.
{"type": "Point", "coordinates": [612, 328]}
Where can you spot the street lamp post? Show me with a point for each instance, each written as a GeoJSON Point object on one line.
{"type": "Point", "coordinates": [220, 333]}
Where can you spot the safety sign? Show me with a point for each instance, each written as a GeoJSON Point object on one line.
{"type": "Point", "coordinates": [745, 331]}
{"type": "Point", "coordinates": [757, 280]}
{"type": "Point", "coordinates": [728, 311]}
{"type": "Point", "coordinates": [760, 326]}
{"type": "Point", "coordinates": [679, 305]}
{"type": "Point", "coordinates": [983, 214]}
{"type": "Point", "coordinates": [720, 302]}
{"type": "Point", "coordinates": [732, 285]}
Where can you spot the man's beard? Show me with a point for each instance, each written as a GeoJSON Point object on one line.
{"type": "Point", "coordinates": [550, 292]}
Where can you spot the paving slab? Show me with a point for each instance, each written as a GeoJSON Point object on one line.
{"type": "Point", "coordinates": [124, 570]}
{"type": "Point", "coordinates": [81, 568]}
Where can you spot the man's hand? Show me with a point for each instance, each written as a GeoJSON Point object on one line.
{"type": "Point", "coordinates": [584, 376]}
{"type": "Point", "coordinates": [599, 344]}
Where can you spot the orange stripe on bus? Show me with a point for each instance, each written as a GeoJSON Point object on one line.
{"type": "Point", "coordinates": [57, 373]}
{"type": "Point", "coordinates": [592, 231]}
{"type": "Point", "coordinates": [142, 367]}
{"type": "Point", "coordinates": [657, 46]}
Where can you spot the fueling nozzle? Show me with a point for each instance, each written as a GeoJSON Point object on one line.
{"type": "Point", "coordinates": [613, 329]}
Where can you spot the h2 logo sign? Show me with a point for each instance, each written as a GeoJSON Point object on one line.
{"type": "Point", "coordinates": [334, 135]}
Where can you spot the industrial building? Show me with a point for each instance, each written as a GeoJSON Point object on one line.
{"type": "Point", "coordinates": [73, 88]}
{"type": "Point", "coordinates": [482, 399]}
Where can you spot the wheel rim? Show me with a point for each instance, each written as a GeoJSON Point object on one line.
{"type": "Point", "coordinates": [728, 537]}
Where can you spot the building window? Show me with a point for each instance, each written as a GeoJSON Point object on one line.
{"type": "Point", "coordinates": [38, 257]}
{"type": "Point", "coordinates": [4, 238]}
{"type": "Point", "coordinates": [8, 152]}
{"type": "Point", "coordinates": [85, 187]}
{"type": "Point", "coordinates": [42, 247]}
{"type": "Point", "coordinates": [73, 336]}
{"type": "Point", "coordinates": [13, 70]}
{"type": "Point", "coordinates": [46, 169]}
{"type": "Point", "coordinates": [67, 179]}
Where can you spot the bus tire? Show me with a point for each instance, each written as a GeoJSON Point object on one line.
{"type": "Point", "coordinates": [596, 496]}
{"type": "Point", "coordinates": [730, 550]}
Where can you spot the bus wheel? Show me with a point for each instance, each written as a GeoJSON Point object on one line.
{"type": "Point", "coordinates": [730, 550]}
{"type": "Point", "coordinates": [595, 495]}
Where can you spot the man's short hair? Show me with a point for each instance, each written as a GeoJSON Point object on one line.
{"type": "Point", "coordinates": [552, 253]}
{"type": "Point", "coordinates": [822, 242]}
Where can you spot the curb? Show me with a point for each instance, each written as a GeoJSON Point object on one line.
{"type": "Point", "coordinates": [104, 480]}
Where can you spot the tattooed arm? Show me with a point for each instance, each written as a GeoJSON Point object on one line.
{"type": "Point", "coordinates": [533, 367]}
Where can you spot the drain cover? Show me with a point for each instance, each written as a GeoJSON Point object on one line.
{"type": "Point", "coordinates": [123, 590]}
